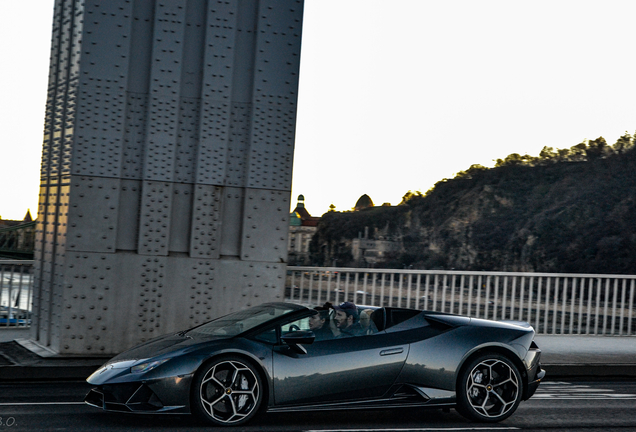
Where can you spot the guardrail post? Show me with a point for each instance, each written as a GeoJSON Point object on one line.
{"type": "Point", "coordinates": [631, 308]}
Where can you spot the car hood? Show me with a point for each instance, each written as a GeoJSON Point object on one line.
{"type": "Point", "coordinates": [161, 346]}
{"type": "Point", "coordinates": [173, 346]}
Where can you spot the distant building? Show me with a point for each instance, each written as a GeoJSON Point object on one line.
{"type": "Point", "coordinates": [366, 251]}
{"type": "Point", "coordinates": [17, 238]}
{"type": "Point", "coordinates": [9, 222]}
{"type": "Point", "coordinates": [302, 227]}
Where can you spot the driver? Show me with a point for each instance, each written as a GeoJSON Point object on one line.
{"type": "Point", "coordinates": [319, 323]}
{"type": "Point", "coordinates": [347, 320]}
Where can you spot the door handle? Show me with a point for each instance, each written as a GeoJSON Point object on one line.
{"type": "Point", "coordinates": [392, 351]}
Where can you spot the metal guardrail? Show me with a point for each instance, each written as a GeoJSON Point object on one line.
{"type": "Point", "coordinates": [16, 292]}
{"type": "Point", "coordinates": [553, 303]}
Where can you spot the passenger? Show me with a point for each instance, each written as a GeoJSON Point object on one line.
{"type": "Point", "coordinates": [318, 323]}
{"type": "Point", "coordinates": [368, 327]}
{"type": "Point", "coordinates": [347, 320]}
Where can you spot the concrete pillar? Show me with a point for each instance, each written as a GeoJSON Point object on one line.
{"type": "Point", "coordinates": [166, 166]}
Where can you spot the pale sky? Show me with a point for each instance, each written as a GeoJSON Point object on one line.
{"type": "Point", "coordinates": [394, 95]}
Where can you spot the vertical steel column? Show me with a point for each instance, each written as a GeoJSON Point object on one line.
{"type": "Point", "coordinates": [166, 167]}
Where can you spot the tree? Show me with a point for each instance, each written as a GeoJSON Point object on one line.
{"type": "Point", "coordinates": [547, 154]}
{"type": "Point", "coordinates": [511, 159]}
{"type": "Point", "coordinates": [578, 152]}
{"type": "Point", "coordinates": [624, 143]}
{"type": "Point", "coordinates": [409, 196]}
{"type": "Point", "coordinates": [598, 148]}
{"type": "Point", "coordinates": [563, 155]}
{"type": "Point", "coordinates": [470, 172]}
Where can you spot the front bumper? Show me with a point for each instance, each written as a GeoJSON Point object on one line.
{"type": "Point", "coordinates": [160, 396]}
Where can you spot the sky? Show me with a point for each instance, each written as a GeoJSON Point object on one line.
{"type": "Point", "coordinates": [394, 96]}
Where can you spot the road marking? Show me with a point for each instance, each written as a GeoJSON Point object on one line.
{"type": "Point", "coordinates": [416, 429]}
{"type": "Point", "coordinates": [40, 403]}
{"type": "Point", "coordinates": [563, 390]}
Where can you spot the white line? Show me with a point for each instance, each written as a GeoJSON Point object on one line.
{"type": "Point", "coordinates": [563, 388]}
{"type": "Point", "coordinates": [565, 391]}
{"type": "Point", "coordinates": [605, 398]}
{"type": "Point", "coordinates": [40, 403]}
{"type": "Point", "coordinates": [415, 429]}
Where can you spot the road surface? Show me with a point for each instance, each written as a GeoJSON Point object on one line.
{"type": "Point", "coordinates": [557, 406]}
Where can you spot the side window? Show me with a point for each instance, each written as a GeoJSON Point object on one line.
{"type": "Point", "coordinates": [268, 336]}
{"type": "Point", "coordinates": [301, 324]}
{"type": "Point", "coordinates": [320, 326]}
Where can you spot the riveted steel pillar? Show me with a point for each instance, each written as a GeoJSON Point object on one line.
{"type": "Point", "coordinates": [166, 166]}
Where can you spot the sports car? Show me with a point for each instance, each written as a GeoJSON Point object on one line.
{"type": "Point", "coordinates": [268, 358]}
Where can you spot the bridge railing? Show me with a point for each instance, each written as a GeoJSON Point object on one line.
{"type": "Point", "coordinates": [16, 291]}
{"type": "Point", "coordinates": [553, 303]}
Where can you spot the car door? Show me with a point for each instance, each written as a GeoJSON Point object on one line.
{"type": "Point", "coordinates": [336, 370]}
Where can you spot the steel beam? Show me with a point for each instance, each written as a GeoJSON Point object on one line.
{"type": "Point", "coordinates": [166, 167]}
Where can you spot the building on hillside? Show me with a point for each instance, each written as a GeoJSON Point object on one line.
{"type": "Point", "coordinates": [302, 227]}
{"type": "Point", "coordinates": [369, 252]}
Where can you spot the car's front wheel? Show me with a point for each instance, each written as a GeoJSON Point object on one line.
{"type": "Point", "coordinates": [227, 391]}
{"type": "Point", "coordinates": [489, 388]}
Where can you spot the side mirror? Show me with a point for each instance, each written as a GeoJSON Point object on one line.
{"type": "Point", "coordinates": [295, 339]}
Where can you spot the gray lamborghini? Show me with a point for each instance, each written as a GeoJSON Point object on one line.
{"type": "Point", "coordinates": [268, 358]}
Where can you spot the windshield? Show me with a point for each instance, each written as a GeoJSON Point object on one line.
{"type": "Point", "coordinates": [241, 321]}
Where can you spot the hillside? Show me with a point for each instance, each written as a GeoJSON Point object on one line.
{"type": "Point", "coordinates": [565, 211]}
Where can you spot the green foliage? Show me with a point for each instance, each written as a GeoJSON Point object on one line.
{"type": "Point", "coordinates": [566, 210]}
{"type": "Point", "coordinates": [337, 229]}
{"type": "Point", "coordinates": [597, 149]}
{"type": "Point", "coordinates": [410, 195]}
{"type": "Point", "coordinates": [584, 151]}
{"type": "Point", "coordinates": [474, 169]}
{"type": "Point", "coordinates": [624, 143]}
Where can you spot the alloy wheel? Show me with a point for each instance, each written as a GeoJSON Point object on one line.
{"type": "Point", "coordinates": [229, 392]}
{"type": "Point", "coordinates": [489, 388]}
{"type": "Point", "coordinates": [492, 388]}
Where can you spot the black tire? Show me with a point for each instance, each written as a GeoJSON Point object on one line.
{"type": "Point", "coordinates": [489, 388]}
{"type": "Point", "coordinates": [227, 391]}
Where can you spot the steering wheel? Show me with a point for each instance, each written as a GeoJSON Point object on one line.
{"type": "Point", "coordinates": [293, 328]}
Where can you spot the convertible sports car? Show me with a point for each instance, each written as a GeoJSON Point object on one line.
{"type": "Point", "coordinates": [267, 358]}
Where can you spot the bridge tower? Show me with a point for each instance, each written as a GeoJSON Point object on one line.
{"type": "Point", "coordinates": [166, 166]}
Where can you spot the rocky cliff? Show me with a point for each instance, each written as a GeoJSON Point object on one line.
{"type": "Point", "coordinates": [556, 213]}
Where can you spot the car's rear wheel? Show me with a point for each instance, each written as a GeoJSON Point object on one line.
{"type": "Point", "coordinates": [489, 388]}
{"type": "Point", "coordinates": [227, 391]}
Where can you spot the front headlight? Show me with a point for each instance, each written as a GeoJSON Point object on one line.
{"type": "Point", "coordinates": [148, 366]}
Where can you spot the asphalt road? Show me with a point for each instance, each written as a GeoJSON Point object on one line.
{"type": "Point", "coordinates": [557, 406]}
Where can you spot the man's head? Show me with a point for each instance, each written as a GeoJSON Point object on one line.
{"type": "Point", "coordinates": [317, 320]}
{"type": "Point", "coordinates": [346, 315]}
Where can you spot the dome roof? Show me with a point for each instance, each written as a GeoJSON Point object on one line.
{"type": "Point", "coordinates": [295, 219]}
{"type": "Point", "coordinates": [363, 202]}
